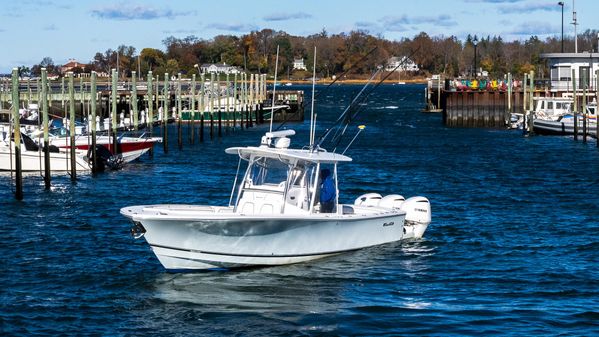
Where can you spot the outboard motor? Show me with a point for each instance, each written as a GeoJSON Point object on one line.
{"type": "Point", "coordinates": [368, 199]}
{"type": "Point", "coordinates": [418, 216]}
{"type": "Point", "coordinates": [392, 201]}
{"type": "Point", "coordinates": [105, 159]}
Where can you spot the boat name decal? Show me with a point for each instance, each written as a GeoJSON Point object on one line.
{"type": "Point", "coordinates": [388, 224]}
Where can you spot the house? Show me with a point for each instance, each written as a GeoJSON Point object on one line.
{"type": "Point", "coordinates": [561, 66]}
{"type": "Point", "coordinates": [72, 64]}
{"type": "Point", "coordinates": [298, 64]}
{"type": "Point", "coordinates": [219, 68]}
{"type": "Point", "coordinates": [401, 64]}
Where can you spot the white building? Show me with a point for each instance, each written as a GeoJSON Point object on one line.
{"type": "Point", "coordinates": [401, 64]}
{"type": "Point", "coordinates": [219, 68]}
{"type": "Point", "coordinates": [561, 65]}
{"type": "Point", "coordinates": [298, 64]}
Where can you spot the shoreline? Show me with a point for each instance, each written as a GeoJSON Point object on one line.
{"type": "Point", "coordinates": [352, 81]}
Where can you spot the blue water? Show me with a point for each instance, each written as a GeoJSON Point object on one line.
{"type": "Point", "coordinates": [513, 248]}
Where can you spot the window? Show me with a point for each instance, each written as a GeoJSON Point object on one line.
{"type": "Point", "coordinates": [584, 77]}
{"type": "Point", "coordinates": [268, 171]}
{"type": "Point", "coordinates": [565, 74]}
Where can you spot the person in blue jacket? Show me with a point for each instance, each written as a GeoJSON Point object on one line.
{"type": "Point", "coordinates": [327, 192]}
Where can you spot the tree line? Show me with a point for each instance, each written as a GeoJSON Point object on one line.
{"type": "Point", "coordinates": [336, 53]}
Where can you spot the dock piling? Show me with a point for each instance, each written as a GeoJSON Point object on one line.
{"type": "Point", "coordinates": [17, 135]}
{"type": "Point", "coordinates": [72, 127]}
{"type": "Point", "coordinates": [93, 93]}
{"type": "Point", "coordinates": [46, 122]}
{"type": "Point", "coordinates": [165, 99]}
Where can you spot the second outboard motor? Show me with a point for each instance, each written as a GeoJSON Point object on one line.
{"type": "Point", "coordinates": [392, 201]}
{"type": "Point", "coordinates": [368, 199]}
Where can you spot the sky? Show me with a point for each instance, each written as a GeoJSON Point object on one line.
{"type": "Point", "coordinates": [33, 29]}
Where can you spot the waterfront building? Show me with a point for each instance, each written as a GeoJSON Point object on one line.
{"type": "Point", "coordinates": [561, 65]}
{"type": "Point", "coordinates": [298, 64]}
{"type": "Point", "coordinates": [401, 64]}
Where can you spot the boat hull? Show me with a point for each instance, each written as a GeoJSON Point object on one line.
{"type": "Point", "coordinates": [34, 161]}
{"type": "Point", "coordinates": [129, 148]}
{"type": "Point", "coordinates": [563, 127]}
{"type": "Point", "coordinates": [234, 240]}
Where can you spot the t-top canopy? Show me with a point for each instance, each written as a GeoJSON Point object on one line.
{"type": "Point", "coordinates": [288, 154]}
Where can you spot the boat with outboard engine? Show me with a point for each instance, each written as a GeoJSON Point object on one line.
{"type": "Point", "coordinates": [32, 156]}
{"type": "Point", "coordinates": [283, 210]}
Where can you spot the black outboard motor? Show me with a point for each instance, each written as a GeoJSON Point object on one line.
{"type": "Point", "coordinates": [104, 159]}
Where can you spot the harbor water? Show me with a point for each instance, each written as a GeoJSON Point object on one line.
{"type": "Point", "coordinates": [512, 249]}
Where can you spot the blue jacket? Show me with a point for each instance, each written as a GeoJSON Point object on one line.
{"type": "Point", "coordinates": [327, 191]}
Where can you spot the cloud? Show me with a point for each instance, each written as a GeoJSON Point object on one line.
{"type": "Point", "coordinates": [534, 28]}
{"type": "Point", "coordinates": [394, 23]}
{"type": "Point", "coordinates": [495, 1]}
{"type": "Point", "coordinates": [135, 12]}
{"type": "Point", "coordinates": [233, 27]}
{"type": "Point", "coordinates": [530, 7]}
{"type": "Point", "coordinates": [50, 28]}
{"type": "Point", "coordinates": [287, 16]}
{"type": "Point", "coordinates": [180, 31]}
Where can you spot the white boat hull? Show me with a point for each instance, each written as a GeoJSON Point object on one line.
{"type": "Point", "coordinates": [34, 161]}
{"type": "Point", "coordinates": [563, 127]}
{"type": "Point", "coordinates": [230, 240]}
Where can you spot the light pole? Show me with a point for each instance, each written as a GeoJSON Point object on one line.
{"type": "Point", "coordinates": [474, 43]}
{"type": "Point", "coordinates": [561, 3]}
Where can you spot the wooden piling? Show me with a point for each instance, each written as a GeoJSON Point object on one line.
{"type": "Point", "coordinates": [531, 103]}
{"type": "Point", "coordinates": [192, 109]}
{"type": "Point", "coordinates": [584, 108]}
{"type": "Point", "coordinates": [509, 93]}
{"type": "Point", "coordinates": [113, 112]}
{"type": "Point", "coordinates": [72, 127]}
{"type": "Point", "coordinates": [235, 105]}
{"type": "Point", "coordinates": [575, 105]}
{"type": "Point", "coordinates": [17, 135]}
{"type": "Point", "coordinates": [93, 94]}
{"type": "Point", "coordinates": [150, 114]}
{"type": "Point", "coordinates": [179, 113]}
{"type": "Point", "coordinates": [212, 94]}
{"type": "Point", "coordinates": [45, 125]}
{"type": "Point", "coordinates": [165, 100]}
{"type": "Point", "coordinates": [202, 105]}
{"type": "Point", "coordinates": [134, 100]}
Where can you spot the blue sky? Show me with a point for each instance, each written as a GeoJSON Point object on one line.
{"type": "Point", "coordinates": [33, 29]}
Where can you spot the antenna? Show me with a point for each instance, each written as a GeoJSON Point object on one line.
{"type": "Point", "coordinates": [360, 128]}
{"type": "Point", "coordinates": [274, 90]}
{"type": "Point", "coordinates": [312, 116]}
{"type": "Point", "coordinates": [575, 23]}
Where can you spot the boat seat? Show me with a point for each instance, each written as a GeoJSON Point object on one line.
{"type": "Point", "coordinates": [296, 196]}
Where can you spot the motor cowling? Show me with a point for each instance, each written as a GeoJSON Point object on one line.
{"type": "Point", "coordinates": [392, 201]}
{"type": "Point", "coordinates": [368, 199]}
{"type": "Point", "coordinates": [418, 210]}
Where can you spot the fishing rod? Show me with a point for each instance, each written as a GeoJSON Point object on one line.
{"type": "Point", "coordinates": [357, 104]}
{"type": "Point", "coordinates": [334, 81]}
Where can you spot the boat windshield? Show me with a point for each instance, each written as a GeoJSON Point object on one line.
{"type": "Point", "coordinates": [268, 171]}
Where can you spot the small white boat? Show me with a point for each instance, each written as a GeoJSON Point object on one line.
{"type": "Point", "coordinates": [562, 123]}
{"type": "Point", "coordinates": [32, 157]}
{"type": "Point", "coordinates": [283, 210]}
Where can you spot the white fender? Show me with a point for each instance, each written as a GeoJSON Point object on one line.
{"type": "Point", "coordinates": [368, 199]}
{"type": "Point", "coordinates": [391, 201]}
